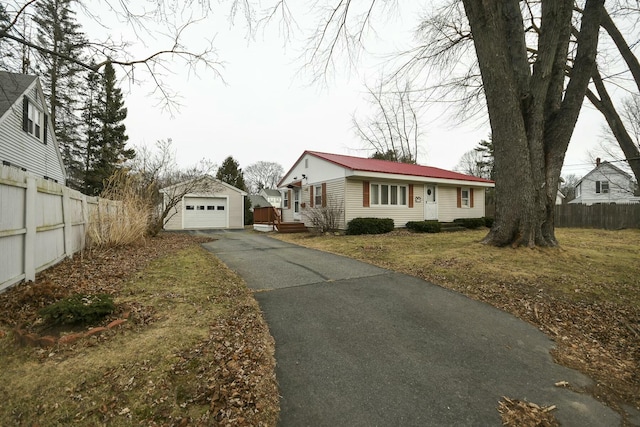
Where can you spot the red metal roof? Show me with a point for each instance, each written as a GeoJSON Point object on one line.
{"type": "Point", "coordinates": [386, 166]}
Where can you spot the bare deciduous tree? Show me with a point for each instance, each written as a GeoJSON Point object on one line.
{"type": "Point", "coordinates": [262, 174]}
{"type": "Point", "coordinates": [163, 185]}
{"type": "Point", "coordinates": [16, 37]}
{"type": "Point", "coordinates": [393, 130]}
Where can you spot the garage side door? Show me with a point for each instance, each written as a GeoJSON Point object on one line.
{"type": "Point", "coordinates": [205, 212]}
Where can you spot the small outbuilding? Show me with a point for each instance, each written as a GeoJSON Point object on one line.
{"type": "Point", "coordinates": [204, 203]}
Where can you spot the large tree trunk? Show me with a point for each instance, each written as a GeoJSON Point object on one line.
{"type": "Point", "coordinates": [531, 110]}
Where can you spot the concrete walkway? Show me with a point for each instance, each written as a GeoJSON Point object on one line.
{"type": "Point", "coordinates": [357, 345]}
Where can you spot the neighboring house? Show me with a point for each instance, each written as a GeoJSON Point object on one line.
{"type": "Point", "coordinates": [273, 197]}
{"type": "Point", "coordinates": [560, 197]}
{"type": "Point", "coordinates": [207, 203]}
{"type": "Point", "coordinates": [361, 187]}
{"type": "Point", "coordinates": [606, 183]}
{"type": "Point", "coordinates": [27, 139]}
{"type": "Point", "coordinates": [258, 201]}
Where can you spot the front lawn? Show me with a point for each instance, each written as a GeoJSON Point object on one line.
{"type": "Point", "coordinates": [193, 350]}
{"type": "Point", "coordinates": [585, 294]}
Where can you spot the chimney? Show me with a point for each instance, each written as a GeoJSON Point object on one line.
{"type": "Point", "coordinates": [597, 161]}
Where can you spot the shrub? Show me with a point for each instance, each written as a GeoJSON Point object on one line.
{"type": "Point", "coordinates": [369, 226]}
{"type": "Point", "coordinates": [121, 216]}
{"type": "Point", "coordinates": [488, 221]}
{"type": "Point", "coordinates": [424, 226]}
{"type": "Point", "coordinates": [79, 309]}
{"type": "Point", "coordinates": [470, 222]}
{"type": "Point", "coordinates": [324, 219]}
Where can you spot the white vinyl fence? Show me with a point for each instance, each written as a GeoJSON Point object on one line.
{"type": "Point", "coordinates": [41, 223]}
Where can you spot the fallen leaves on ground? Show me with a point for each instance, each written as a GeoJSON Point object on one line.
{"type": "Point", "coordinates": [225, 378]}
{"type": "Point", "coordinates": [518, 413]}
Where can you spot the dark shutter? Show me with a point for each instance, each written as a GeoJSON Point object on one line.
{"type": "Point", "coordinates": [410, 201]}
{"type": "Point", "coordinates": [471, 197]}
{"type": "Point", "coordinates": [459, 190]}
{"type": "Point", "coordinates": [365, 194]}
{"type": "Point", "coordinates": [597, 186]}
{"type": "Point", "coordinates": [324, 194]}
{"type": "Point", "coordinates": [25, 114]}
{"type": "Point", "coordinates": [311, 196]}
{"type": "Point", "coordinates": [44, 136]}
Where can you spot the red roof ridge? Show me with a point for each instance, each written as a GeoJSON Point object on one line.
{"type": "Point", "coordinates": [387, 166]}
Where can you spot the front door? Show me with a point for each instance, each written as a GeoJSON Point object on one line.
{"type": "Point", "coordinates": [296, 204]}
{"type": "Point", "coordinates": [430, 202]}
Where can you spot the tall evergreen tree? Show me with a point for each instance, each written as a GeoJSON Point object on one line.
{"type": "Point", "coordinates": [231, 173]}
{"type": "Point", "coordinates": [59, 32]}
{"type": "Point", "coordinates": [106, 132]}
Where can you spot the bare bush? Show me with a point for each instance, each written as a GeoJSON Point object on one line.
{"type": "Point", "coordinates": [122, 215]}
{"type": "Point", "coordinates": [326, 218]}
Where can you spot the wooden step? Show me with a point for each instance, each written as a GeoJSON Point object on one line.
{"type": "Point", "coordinates": [292, 227]}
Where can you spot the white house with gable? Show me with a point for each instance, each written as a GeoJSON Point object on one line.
{"type": "Point", "coordinates": [606, 183]}
{"type": "Point", "coordinates": [27, 138]}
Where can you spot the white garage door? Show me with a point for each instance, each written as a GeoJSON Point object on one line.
{"type": "Point", "coordinates": [205, 212]}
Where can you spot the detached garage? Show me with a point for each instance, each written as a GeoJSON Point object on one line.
{"type": "Point", "coordinates": [204, 203]}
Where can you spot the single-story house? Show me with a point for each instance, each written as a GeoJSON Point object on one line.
{"type": "Point", "coordinates": [362, 187]}
{"type": "Point", "coordinates": [27, 138]}
{"type": "Point", "coordinates": [204, 203]}
{"type": "Point", "coordinates": [272, 195]}
{"type": "Point", "coordinates": [606, 183]}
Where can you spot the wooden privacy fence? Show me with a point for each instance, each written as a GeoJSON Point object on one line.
{"type": "Point", "coordinates": [606, 216]}
{"type": "Point", "coordinates": [41, 223]}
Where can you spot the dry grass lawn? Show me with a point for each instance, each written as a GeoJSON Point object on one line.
{"type": "Point", "coordinates": [194, 351]}
{"type": "Point", "coordinates": [585, 294]}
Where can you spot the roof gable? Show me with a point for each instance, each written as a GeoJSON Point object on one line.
{"type": "Point", "coordinates": [207, 179]}
{"type": "Point", "coordinates": [396, 168]}
{"type": "Point", "coordinates": [12, 87]}
{"type": "Point", "coordinates": [603, 165]}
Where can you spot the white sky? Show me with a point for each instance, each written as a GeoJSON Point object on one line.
{"type": "Point", "coordinates": [267, 108]}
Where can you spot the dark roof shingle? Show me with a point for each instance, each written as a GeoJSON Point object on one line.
{"type": "Point", "coordinates": [12, 85]}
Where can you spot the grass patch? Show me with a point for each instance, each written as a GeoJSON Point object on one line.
{"type": "Point", "coordinates": [584, 294]}
{"type": "Point", "coordinates": [173, 367]}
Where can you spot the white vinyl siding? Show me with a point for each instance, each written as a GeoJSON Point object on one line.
{"type": "Point", "coordinates": [22, 150]}
{"type": "Point", "coordinates": [221, 196]}
{"type": "Point", "coordinates": [400, 214]}
{"type": "Point", "coordinates": [335, 198]}
{"type": "Point", "coordinates": [448, 209]}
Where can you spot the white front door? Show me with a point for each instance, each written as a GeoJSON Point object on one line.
{"type": "Point", "coordinates": [430, 202]}
{"type": "Point", "coordinates": [296, 204]}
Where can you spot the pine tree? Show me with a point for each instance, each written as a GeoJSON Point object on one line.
{"type": "Point", "coordinates": [106, 136]}
{"type": "Point", "coordinates": [58, 31]}
{"type": "Point", "coordinates": [231, 173]}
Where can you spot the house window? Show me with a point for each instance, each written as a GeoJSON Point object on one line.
{"type": "Point", "coordinates": [306, 163]}
{"type": "Point", "coordinates": [34, 121]}
{"type": "Point", "coordinates": [389, 195]}
{"type": "Point", "coordinates": [220, 208]}
{"type": "Point", "coordinates": [317, 195]}
{"type": "Point", "coordinates": [286, 200]}
{"type": "Point", "coordinates": [200, 207]}
{"type": "Point", "coordinates": [211, 208]}
{"type": "Point", "coordinates": [602, 187]}
{"type": "Point", "coordinates": [464, 198]}
{"type": "Point", "coordinates": [190, 207]}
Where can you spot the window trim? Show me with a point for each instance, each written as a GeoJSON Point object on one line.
{"type": "Point", "coordinates": [377, 196]}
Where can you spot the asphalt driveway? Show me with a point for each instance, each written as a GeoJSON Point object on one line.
{"type": "Point", "coordinates": [357, 345]}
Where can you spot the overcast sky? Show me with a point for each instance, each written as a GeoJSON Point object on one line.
{"type": "Point", "coordinates": [266, 107]}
